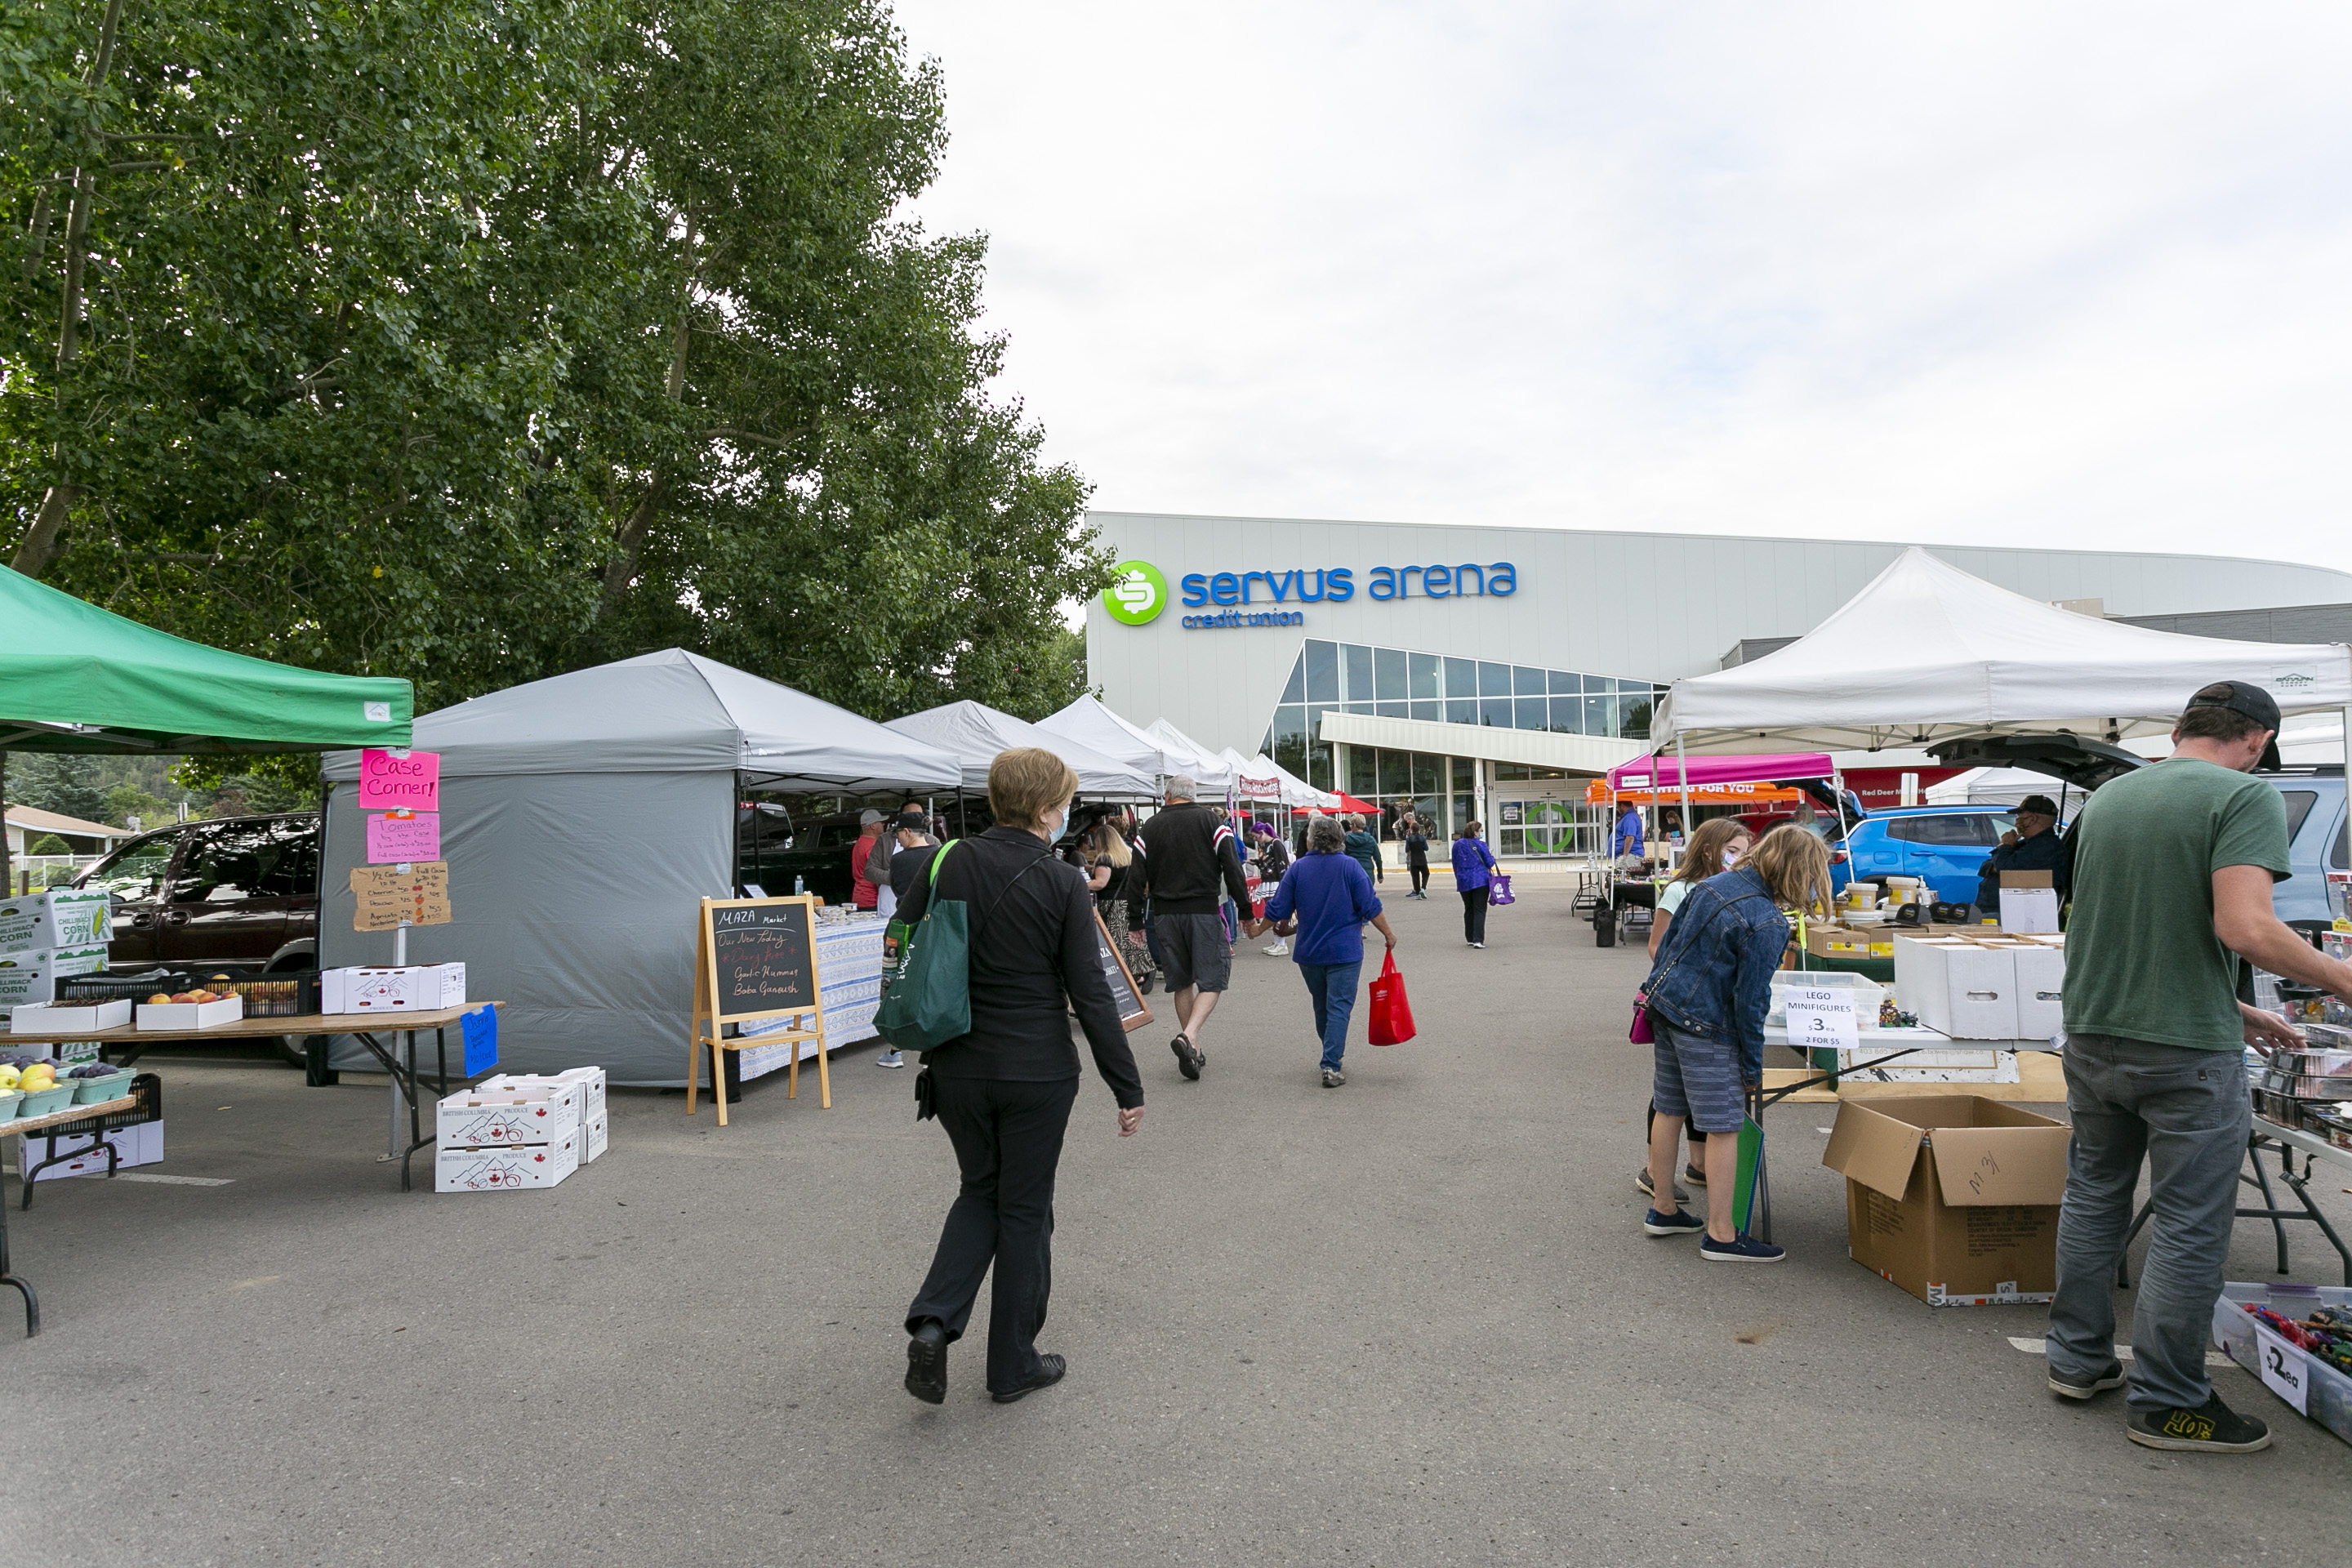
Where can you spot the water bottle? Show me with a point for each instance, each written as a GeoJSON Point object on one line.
{"type": "Point", "coordinates": [798, 889]}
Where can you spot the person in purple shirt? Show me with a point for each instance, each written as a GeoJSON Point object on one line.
{"type": "Point", "coordinates": [1330, 896]}
{"type": "Point", "coordinates": [1473, 875]}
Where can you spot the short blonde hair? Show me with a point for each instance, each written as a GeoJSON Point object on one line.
{"type": "Point", "coordinates": [1026, 783]}
{"type": "Point", "coordinates": [1795, 866]}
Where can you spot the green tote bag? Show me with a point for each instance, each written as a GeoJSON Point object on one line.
{"type": "Point", "coordinates": [928, 999]}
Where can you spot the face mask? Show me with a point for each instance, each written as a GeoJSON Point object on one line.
{"type": "Point", "coordinates": [1730, 859]}
{"type": "Point", "coordinates": [1061, 830]}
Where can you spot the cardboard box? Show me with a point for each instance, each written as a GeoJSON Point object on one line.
{"type": "Point", "coordinates": [189, 1015]}
{"type": "Point", "coordinates": [591, 1080]}
{"type": "Point", "coordinates": [1823, 940]}
{"type": "Point", "coordinates": [2040, 988]}
{"type": "Point", "coordinates": [140, 1146]}
{"type": "Point", "coordinates": [1958, 985]}
{"type": "Point", "coordinates": [32, 978]}
{"type": "Point", "coordinates": [62, 917]}
{"type": "Point", "coordinates": [2029, 901]}
{"type": "Point", "coordinates": [46, 1018]}
{"type": "Point", "coordinates": [506, 1170]}
{"type": "Point", "coordinates": [417, 988]}
{"type": "Point", "coordinates": [478, 1120]}
{"type": "Point", "coordinates": [593, 1134]}
{"type": "Point", "coordinates": [1955, 1198]}
{"type": "Point", "coordinates": [1928, 1067]}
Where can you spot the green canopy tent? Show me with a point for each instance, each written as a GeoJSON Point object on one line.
{"type": "Point", "coordinates": [73, 678]}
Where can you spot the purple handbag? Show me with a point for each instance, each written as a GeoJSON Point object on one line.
{"type": "Point", "coordinates": [1498, 890]}
{"type": "Point", "coordinates": [1640, 1033]}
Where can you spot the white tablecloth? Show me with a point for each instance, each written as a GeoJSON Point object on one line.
{"type": "Point", "coordinates": [849, 987]}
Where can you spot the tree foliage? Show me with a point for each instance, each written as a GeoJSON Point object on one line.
{"type": "Point", "coordinates": [477, 339]}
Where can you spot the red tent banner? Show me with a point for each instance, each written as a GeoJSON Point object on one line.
{"type": "Point", "coordinates": [1659, 773]}
{"type": "Point", "coordinates": [1598, 793]}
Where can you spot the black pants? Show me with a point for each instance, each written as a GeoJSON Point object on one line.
{"type": "Point", "coordinates": [1473, 912]}
{"type": "Point", "coordinates": [1419, 865]}
{"type": "Point", "coordinates": [1008, 1140]}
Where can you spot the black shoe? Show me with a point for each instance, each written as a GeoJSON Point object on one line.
{"type": "Point", "coordinates": [1642, 1185]}
{"type": "Point", "coordinates": [1694, 1176]}
{"type": "Point", "coordinates": [2111, 1378]}
{"type": "Point", "coordinates": [1050, 1369]}
{"type": "Point", "coordinates": [1188, 1057]}
{"type": "Point", "coordinates": [2211, 1428]}
{"type": "Point", "coordinates": [927, 1363]}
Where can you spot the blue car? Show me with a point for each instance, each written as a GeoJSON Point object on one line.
{"type": "Point", "coordinates": [1943, 844]}
{"type": "Point", "coordinates": [2316, 844]}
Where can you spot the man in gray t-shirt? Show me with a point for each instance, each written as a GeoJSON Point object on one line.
{"type": "Point", "coordinates": [2173, 868]}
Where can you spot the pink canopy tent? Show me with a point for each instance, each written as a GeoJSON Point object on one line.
{"type": "Point", "coordinates": [1662, 773]}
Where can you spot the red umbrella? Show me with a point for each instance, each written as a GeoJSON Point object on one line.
{"type": "Point", "coordinates": [1350, 804]}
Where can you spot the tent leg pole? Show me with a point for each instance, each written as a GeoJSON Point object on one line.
{"type": "Point", "coordinates": [1682, 780]}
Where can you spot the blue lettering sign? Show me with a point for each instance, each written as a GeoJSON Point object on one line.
{"type": "Point", "coordinates": [1226, 588]}
{"type": "Point", "coordinates": [1196, 590]}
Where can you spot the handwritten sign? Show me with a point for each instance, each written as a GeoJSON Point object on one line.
{"type": "Point", "coordinates": [2284, 1366]}
{"type": "Point", "coordinates": [386, 898]}
{"type": "Point", "coordinates": [396, 836]}
{"type": "Point", "coordinates": [762, 957]}
{"type": "Point", "coordinates": [1821, 1018]}
{"type": "Point", "coordinates": [399, 781]}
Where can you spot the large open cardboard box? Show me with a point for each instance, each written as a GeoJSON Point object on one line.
{"type": "Point", "coordinates": [1953, 1197]}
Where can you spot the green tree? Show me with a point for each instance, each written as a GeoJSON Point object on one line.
{"type": "Point", "coordinates": [125, 801]}
{"type": "Point", "coordinates": [61, 783]}
{"type": "Point", "coordinates": [477, 339]}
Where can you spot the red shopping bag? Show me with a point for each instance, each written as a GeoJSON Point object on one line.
{"type": "Point", "coordinates": [1391, 1019]}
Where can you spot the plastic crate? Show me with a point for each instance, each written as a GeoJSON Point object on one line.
{"type": "Point", "coordinates": [2329, 1401]}
{"type": "Point", "coordinates": [293, 995]}
{"type": "Point", "coordinates": [138, 987]}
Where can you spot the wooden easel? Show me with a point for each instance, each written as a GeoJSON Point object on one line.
{"type": "Point", "coordinates": [706, 1025]}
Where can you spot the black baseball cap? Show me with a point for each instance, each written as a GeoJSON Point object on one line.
{"type": "Point", "coordinates": [2041, 803]}
{"type": "Point", "coordinates": [2250, 701]}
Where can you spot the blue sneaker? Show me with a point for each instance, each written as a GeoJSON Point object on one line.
{"type": "Point", "coordinates": [1680, 1223]}
{"type": "Point", "coordinates": [1744, 1249]}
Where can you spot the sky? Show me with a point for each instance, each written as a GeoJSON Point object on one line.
{"type": "Point", "coordinates": [2075, 274]}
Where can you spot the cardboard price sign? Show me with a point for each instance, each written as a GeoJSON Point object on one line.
{"type": "Point", "coordinates": [386, 898]}
{"type": "Point", "coordinates": [2285, 1367]}
{"type": "Point", "coordinates": [1821, 1018]}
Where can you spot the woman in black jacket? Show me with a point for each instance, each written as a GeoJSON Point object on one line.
{"type": "Point", "coordinates": [1003, 1091]}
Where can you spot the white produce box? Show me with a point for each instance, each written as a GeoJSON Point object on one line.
{"type": "Point", "coordinates": [140, 1146]}
{"type": "Point", "coordinates": [33, 976]}
{"type": "Point", "coordinates": [592, 1135]}
{"type": "Point", "coordinates": [478, 1118]}
{"type": "Point", "coordinates": [1958, 988]}
{"type": "Point", "coordinates": [590, 1078]}
{"type": "Point", "coordinates": [417, 988]}
{"type": "Point", "coordinates": [506, 1170]}
{"type": "Point", "coordinates": [2041, 989]}
{"type": "Point", "coordinates": [190, 1014]}
{"type": "Point", "coordinates": [61, 917]}
{"type": "Point", "coordinates": [42, 1018]}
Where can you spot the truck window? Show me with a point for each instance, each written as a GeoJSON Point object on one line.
{"type": "Point", "coordinates": [2298, 803]}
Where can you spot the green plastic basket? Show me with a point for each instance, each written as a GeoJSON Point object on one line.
{"type": "Point", "coordinates": [48, 1101]}
{"type": "Point", "coordinates": [8, 1099]}
{"type": "Point", "coordinates": [98, 1090]}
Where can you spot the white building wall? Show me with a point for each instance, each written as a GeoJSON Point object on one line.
{"type": "Point", "coordinates": [1632, 606]}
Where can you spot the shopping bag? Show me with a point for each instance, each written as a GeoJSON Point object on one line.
{"type": "Point", "coordinates": [1752, 1159]}
{"type": "Point", "coordinates": [1392, 1020]}
{"type": "Point", "coordinates": [1498, 890]}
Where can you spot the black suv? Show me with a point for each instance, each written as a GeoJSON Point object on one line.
{"type": "Point", "coordinates": [242, 891]}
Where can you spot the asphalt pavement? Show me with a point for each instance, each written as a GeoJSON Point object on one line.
{"type": "Point", "coordinates": [1414, 1320]}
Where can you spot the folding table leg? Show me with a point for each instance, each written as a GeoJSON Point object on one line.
{"type": "Point", "coordinates": [24, 1286]}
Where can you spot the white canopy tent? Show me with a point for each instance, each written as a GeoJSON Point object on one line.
{"type": "Point", "coordinates": [1186, 755]}
{"type": "Point", "coordinates": [1927, 653]}
{"type": "Point", "coordinates": [1100, 730]}
{"type": "Point", "coordinates": [975, 734]}
{"type": "Point", "coordinates": [1291, 790]}
{"type": "Point", "coordinates": [1993, 786]}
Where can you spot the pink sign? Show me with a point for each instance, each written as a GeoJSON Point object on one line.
{"type": "Point", "coordinates": [399, 836]}
{"type": "Point", "coordinates": [400, 781]}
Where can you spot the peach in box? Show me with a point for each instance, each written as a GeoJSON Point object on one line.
{"type": "Point", "coordinates": [190, 1014]}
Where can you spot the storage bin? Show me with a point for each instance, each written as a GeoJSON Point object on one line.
{"type": "Point", "coordinates": [2329, 1401]}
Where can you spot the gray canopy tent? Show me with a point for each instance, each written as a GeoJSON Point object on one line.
{"type": "Point", "coordinates": [584, 818]}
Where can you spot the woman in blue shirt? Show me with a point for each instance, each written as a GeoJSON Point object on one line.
{"type": "Point", "coordinates": [1474, 868]}
{"type": "Point", "coordinates": [1330, 895]}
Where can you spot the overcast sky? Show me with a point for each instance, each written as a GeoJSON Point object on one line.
{"type": "Point", "coordinates": [2073, 275]}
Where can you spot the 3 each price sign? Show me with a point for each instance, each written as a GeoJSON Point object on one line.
{"type": "Point", "coordinates": [1821, 1018]}
{"type": "Point", "coordinates": [2285, 1367]}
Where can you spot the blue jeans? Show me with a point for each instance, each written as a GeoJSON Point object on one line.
{"type": "Point", "coordinates": [2183, 1112]}
{"type": "Point", "coordinates": [1333, 988]}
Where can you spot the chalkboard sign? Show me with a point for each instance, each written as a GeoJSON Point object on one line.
{"type": "Point", "coordinates": [1124, 995]}
{"type": "Point", "coordinates": [754, 958]}
{"type": "Point", "coordinates": [761, 956]}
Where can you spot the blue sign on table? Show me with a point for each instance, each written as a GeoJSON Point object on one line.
{"type": "Point", "coordinates": [481, 1027]}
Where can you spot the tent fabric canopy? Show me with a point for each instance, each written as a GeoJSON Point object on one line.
{"type": "Point", "coordinates": [1095, 727]}
{"type": "Point", "coordinates": [1186, 755]}
{"type": "Point", "coordinates": [1927, 653]}
{"type": "Point", "coordinates": [1662, 772]}
{"type": "Point", "coordinates": [73, 678]}
{"type": "Point", "coordinates": [976, 733]}
{"type": "Point", "coordinates": [674, 712]}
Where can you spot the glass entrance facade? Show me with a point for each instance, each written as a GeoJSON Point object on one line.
{"type": "Point", "coordinates": [1397, 683]}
